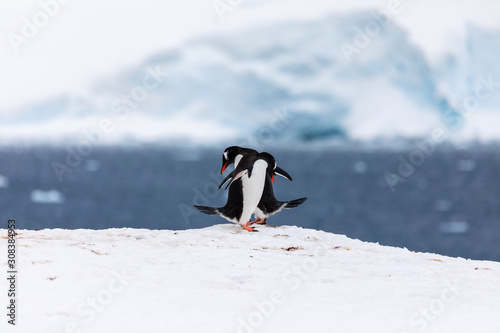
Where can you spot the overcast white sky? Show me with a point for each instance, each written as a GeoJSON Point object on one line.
{"type": "Point", "coordinates": [89, 40]}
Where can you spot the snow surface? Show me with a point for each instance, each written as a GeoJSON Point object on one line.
{"type": "Point", "coordinates": [224, 279]}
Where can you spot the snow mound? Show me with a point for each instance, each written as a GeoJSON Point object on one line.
{"type": "Point", "coordinates": [225, 279]}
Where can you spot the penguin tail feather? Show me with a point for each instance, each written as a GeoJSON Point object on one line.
{"type": "Point", "coordinates": [294, 203]}
{"type": "Point", "coordinates": [207, 210]}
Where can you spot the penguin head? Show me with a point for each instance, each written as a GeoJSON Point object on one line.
{"type": "Point", "coordinates": [230, 154]}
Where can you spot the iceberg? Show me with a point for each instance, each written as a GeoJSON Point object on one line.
{"type": "Point", "coordinates": [227, 87]}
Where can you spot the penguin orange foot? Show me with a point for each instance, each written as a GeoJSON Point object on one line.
{"type": "Point", "coordinates": [260, 221]}
{"type": "Point", "coordinates": [247, 227]}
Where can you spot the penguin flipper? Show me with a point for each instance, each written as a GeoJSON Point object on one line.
{"type": "Point", "coordinates": [228, 177]}
{"type": "Point", "coordinates": [232, 176]}
{"type": "Point", "coordinates": [279, 171]}
{"type": "Point", "coordinates": [294, 203]}
{"type": "Point", "coordinates": [207, 210]}
{"type": "Point", "coordinates": [238, 176]}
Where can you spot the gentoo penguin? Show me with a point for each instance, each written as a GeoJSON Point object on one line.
{"type": "Point", "coordinates": [245, 190]}
{"type": "Point", "coordinates": [268, 204]}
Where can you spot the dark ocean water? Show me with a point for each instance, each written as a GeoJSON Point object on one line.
{"type": "Point", "coordinates": [449, 204]}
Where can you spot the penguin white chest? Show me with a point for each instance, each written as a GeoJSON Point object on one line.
{"type": "Point", "coordinates": [253, 187]}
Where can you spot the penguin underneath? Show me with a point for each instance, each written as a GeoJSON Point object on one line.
{"type": "Point", "coordinates": [268, 204]}
{"type": "Point", "coordinates": [245, 189]}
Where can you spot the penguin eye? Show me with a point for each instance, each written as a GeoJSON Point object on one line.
{"type": "Point", "coordinates": [275, 165]}
{"type": "Point", "coordinates": [225, 155]}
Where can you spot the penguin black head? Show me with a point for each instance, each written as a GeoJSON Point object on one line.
{"type": "Point", "coordinates": [230, 154]}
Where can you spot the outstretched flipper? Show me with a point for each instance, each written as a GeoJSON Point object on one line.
{"type": "Point", "coordinates": [294, 203]}
{"type": "Point", "coordinates": [279, 171]}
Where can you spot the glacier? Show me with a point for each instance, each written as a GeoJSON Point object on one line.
{"type": "Point", "coordinates": [290, 82]}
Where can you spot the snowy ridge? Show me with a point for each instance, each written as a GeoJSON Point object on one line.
{"type": "Point", "coordinates": [224, 279]}
{"type": "Point", "coordinates": [231, 87]}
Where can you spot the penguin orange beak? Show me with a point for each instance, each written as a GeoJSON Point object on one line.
{"type": "Point", "coordinates": [272, 179]}
{"type": "Point", "coordinates": [223, 168]}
